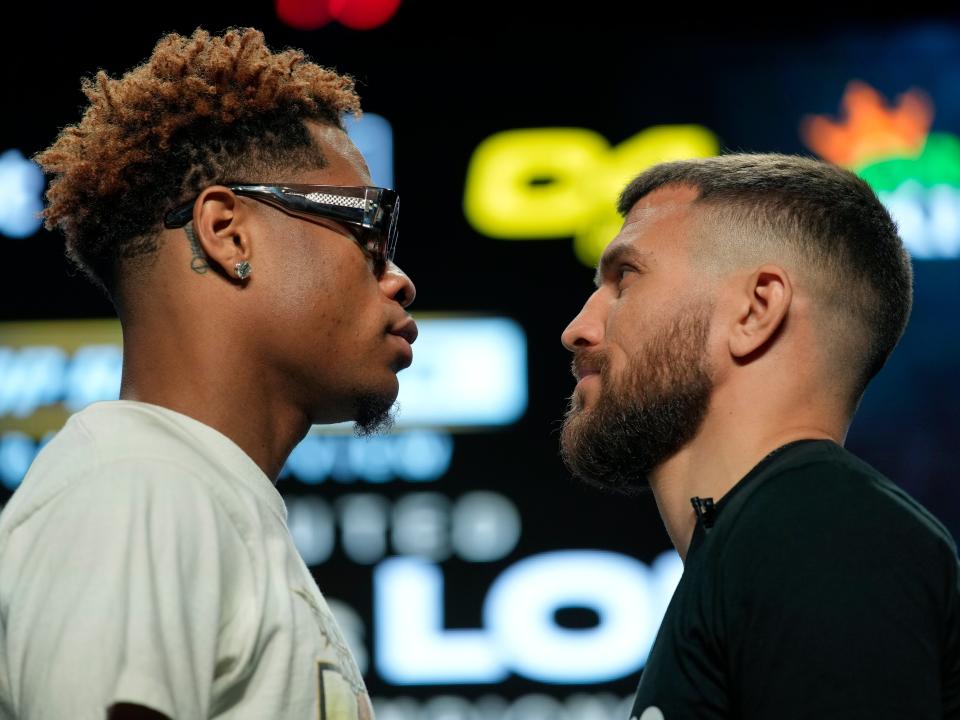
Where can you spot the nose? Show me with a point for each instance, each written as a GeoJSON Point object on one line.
{"type": "Point", "coordinates": [397, 285]}
{"type": "Point", "coordinates": [586, 329]}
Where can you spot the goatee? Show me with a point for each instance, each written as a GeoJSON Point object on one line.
{"type": "Point", "coordinates": [373, 414]}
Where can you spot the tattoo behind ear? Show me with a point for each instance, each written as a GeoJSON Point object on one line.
{"type": "Point", "coordinates": [199, 262]}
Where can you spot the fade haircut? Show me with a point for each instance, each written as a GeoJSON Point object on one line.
{"type": "Point", "coordinates": [764, 207]}
{"type": "Point", "coordinates": [202, 110]}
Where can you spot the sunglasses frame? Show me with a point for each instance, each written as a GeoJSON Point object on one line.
{"type": "Point", "coordinates": [369, 212]}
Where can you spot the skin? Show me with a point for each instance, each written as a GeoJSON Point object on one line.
{"type": "Point", "coordinates": [771, 386]}
{"type": "Point", "coordinates": [261, 360]}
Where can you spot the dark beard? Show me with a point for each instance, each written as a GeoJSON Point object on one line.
{"type": "Point", "coordinates": [656, 410]}
{"type": "Point", "coordinates": [373, 414]}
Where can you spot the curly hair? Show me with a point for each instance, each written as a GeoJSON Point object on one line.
{"type": "Point", "coordinates": [201, 110]}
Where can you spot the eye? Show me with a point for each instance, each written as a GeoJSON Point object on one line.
{"type": "Point", "coordinates": [625, 273]}
{"type": "Point", "coordinates": [370, 249]}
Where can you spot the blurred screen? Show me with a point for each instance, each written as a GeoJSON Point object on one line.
{"type": "Point", "coordinates": [473, 577]}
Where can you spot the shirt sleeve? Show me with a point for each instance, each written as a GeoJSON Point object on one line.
{"type": "Point", "coordinates": [834, 610]}
{"type": "Point", "coordinates": [115, 592]}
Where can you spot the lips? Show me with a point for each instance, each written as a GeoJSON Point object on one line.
{"type": "Point", "coordinates": [407, 330]}
{"type": "Point", "coordinates": [582, 368]}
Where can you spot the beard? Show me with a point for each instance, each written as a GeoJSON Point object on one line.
{"type": "Point", "coordinates": [373, 414]}
{"type": "Point", "coordinates": [642, 420]}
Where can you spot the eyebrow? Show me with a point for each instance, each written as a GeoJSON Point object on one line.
{"type": "Point", "coordinates": [615, 256]}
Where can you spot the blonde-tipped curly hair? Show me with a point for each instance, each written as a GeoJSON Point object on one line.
{"type": "Point", "coordinates": [201, 110]}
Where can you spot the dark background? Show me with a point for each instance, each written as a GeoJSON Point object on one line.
{"type": "Point", "coordinates": [448, 76]}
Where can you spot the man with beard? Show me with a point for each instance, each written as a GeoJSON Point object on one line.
{"type": "Point", "coordinates": [146, 569]}
{"type": "Point", "coordinates": [738, 317]}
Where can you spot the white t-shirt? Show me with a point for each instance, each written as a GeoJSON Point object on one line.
{"type": "Point", "coordinates": [146, 559]}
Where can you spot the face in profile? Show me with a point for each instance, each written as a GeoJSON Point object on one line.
{"type": "Point", "coordinates": [640, 352]}
{"type": "Point", "coordinates": [333, 322]}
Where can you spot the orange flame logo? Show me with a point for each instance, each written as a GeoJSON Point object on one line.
{"type": "Point", "coordinates": [869, 129]}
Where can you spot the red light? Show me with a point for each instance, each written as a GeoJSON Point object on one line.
{"type": "Point", "coordinates": [363, 14]}
{"type": "Point", "coordinates": [304, 14]}
{"type": "Point", "coordinates": [354, 14]}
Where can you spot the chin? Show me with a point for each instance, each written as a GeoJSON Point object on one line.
{"type": "Point", "coordinates": [374, 414]}
{"type": "Point", "coordinates": [388, 388]}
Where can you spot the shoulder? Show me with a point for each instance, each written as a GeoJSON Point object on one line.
{"type": "Point", "coordinates": [826, 487]}
{"type": "Point", "coordinates": [828, 586]}
{"type": "Point", "coordinates": [110, 432]}
{"type": "Point", "coordinates": [119, 457]}
{"type": "Point", "coordinates": [119, 498]}
{"type": "Point", "coordinates": [133, 519]}
{"type": "Point", "coordinates": [825, 516]}
{"type": "Point", "coordinates": [112, 465]}
{"type": "Point", "coordinates": [121, 429]}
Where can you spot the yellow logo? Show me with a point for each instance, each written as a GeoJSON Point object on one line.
{"type": "Point", "coordinates": [547, 183]}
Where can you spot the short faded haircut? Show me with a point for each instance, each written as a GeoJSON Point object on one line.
{"type": "Point", "coordinates": [827, 218]}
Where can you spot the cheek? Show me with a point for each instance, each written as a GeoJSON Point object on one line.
{"type": "Point", "coordinates": [624, 332]}
{"type": "Point", "coordinates": [351, 304]}
{"type": "Point", "coordinates": [617, 361]}
{"type": "Point", "coordinates": [640, 314]}
{"type": "Point", "coordinates": [294, 276]}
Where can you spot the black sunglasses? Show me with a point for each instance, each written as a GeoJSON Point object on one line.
{"type": "Point", "coordinates": [370, 213]}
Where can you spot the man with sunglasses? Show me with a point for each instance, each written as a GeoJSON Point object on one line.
{"type": "Point", "coordinates": [146, 569]}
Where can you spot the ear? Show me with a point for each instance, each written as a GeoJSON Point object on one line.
{"type": "Point", "coordinates": [765, 301]}
{"type": "Point", "coordinates": [221, 230]}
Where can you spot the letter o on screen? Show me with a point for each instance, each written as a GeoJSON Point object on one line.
{"type": "Point", "coordinates": [520, 611]}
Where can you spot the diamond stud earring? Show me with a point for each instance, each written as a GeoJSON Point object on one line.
{"type": "Point", "coordinates": [243, 269]}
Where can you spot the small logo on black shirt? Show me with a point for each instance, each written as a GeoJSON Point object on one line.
{"type": "Point", "coordinates": [651, 713]}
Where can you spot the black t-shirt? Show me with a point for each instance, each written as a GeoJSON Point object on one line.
{"type": "Point", "coordinates": [821, 591]}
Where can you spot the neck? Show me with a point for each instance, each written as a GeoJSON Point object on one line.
{"type": "Point", "coordinates": [721, 454]}
{"type": "Point", "coordinates": [208, 381]}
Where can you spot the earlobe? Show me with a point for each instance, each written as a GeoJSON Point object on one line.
{"type": "Point", "coordinates": [766, 298]}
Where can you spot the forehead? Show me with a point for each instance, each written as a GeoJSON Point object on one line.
{"type": "Point", "coordinates": [658, 226]}
{"type": "Point", "coordinates": [345, 163]}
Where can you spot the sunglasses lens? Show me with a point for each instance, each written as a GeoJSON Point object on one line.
{"type": "Point", "coordinates": [390, 236]}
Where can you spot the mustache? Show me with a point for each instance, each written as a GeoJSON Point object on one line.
{"type": "Point", "coordinates": [589, 361]}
